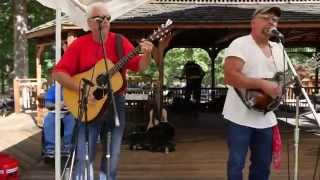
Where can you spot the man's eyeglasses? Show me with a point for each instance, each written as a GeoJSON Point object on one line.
{"type": "Point", "coordinates": [269, 17]}
{"type": "Point", "coordinates": [101, 18]}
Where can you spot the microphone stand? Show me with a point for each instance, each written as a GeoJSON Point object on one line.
{"type": "Point", "coordinates": [68, 173]}
{"type": "Point", "coordinates": [108, 85]}
{"type": "Point", "coordinates": [83, 113]}
{"type": "Point", "coordinates": [298, 91]}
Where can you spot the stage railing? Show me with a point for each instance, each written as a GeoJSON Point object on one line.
{"type": "Point", "coordinates": [211, 94]}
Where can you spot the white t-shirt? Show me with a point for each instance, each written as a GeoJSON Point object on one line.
{"type": "Point", "coordinates": [256, 65]}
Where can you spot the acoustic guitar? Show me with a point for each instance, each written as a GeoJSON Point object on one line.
{"type": "Point", "coordinates": [98, 73]}
{"type": "Point", "coordinates": [259, 101]}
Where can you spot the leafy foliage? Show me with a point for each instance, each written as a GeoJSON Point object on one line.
{"type": "Point", "coordinates": [6, 43]}
{"type": "Point", "coordinates": [174, 62]}
{"type": "Point", "coordinates": [37, 14]}
{"type": "Point", "coordinates": [177, 57]}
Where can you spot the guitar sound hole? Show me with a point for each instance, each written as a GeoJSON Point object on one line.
{"type": "Point", "coordinates": [99, 93]}
{"type": "Point", "coordinates": [101, 80]}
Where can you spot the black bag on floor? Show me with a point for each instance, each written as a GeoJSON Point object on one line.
{"type": "Point", "coordinates": [160, 137]}
{"type": "Point", "coordinates": [136, 139]}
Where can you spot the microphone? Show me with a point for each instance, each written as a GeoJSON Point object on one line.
{"type": "Point", "coordinates": [275, 33]}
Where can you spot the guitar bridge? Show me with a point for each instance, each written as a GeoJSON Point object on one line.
{"type": "Point", "coordinates": [99, 93]}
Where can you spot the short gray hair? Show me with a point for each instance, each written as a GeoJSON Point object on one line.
{"type": "Point", "coordinates": [97, 5]}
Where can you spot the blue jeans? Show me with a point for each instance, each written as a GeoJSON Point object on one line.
{"type": "Point", "coordinates": [240, 138]}
{"type": "Point", "coordinates": [94, 129]}
{"type": "Point", "coordinates": [49, 132]}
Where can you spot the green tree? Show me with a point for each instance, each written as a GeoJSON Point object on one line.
{"type": "Point", "coordinates": [36, 15]}
{"type": "Point", "coordinates": [6, 43]}
{"type": "Point", "coordinates": [176, 58]}
{"type": "Point", "coordinates": [21, 66]}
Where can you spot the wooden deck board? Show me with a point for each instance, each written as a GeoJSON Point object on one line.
{"type": "Point", "coordinates": [201, 154]}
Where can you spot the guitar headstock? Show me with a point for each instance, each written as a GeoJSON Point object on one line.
{"type": "Point", "coordinates": [162, 31]}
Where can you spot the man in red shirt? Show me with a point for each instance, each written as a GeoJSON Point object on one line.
{"type": "Point", "coordinates": [81, 56]}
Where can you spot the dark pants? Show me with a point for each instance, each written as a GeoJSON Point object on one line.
{"type": "Point", "coordinates": [193, 87]}
{"type": "Point", "coordinates": [240, 139]}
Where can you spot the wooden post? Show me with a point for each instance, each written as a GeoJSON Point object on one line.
{"type": "Point", "coordinates": [158, 54]}
{"type": "Point", "coordinates": [16, 95]}
{"type": "Point", "coordinates": [39, 116]}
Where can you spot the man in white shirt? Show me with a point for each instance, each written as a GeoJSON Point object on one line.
{"type": "Point", "coordinates": [249, 59]}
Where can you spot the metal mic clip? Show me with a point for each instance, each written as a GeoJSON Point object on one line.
{"type": "Point", "coordinates": [86, 81]}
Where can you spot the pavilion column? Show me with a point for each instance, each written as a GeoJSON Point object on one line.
{"type": "Point", "coordinates": [158, 54]}
{"type": "Point", "coordinates": [40, 49]}
{"type": "Point", "coordinates": [213, 53]}
{"type": "Point", "coordinates": [317, 74]}
{"type": "Point", "coordinates": [16, 95]}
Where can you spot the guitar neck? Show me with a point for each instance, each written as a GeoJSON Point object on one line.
{"type": "Point", "coordinates": [124, 60]}
{"type": "Point", "coordinates": [158, 34]}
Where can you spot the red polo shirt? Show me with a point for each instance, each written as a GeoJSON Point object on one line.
{"type": "Point", "coordinates": [84, 53]}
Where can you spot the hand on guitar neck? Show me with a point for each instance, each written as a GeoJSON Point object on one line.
{"type": "Point", "coordinates": [302, 71]}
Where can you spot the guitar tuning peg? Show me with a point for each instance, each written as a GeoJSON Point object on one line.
{"type": "Point", "coordinates": [169, 22]}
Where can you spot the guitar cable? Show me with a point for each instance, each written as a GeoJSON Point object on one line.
{"type": "Point", "coordinates": [284, 99]}
{"type": "Point", "coordinates": [286, 110]}
{"type": "Point", "coordinates": [286, 107]}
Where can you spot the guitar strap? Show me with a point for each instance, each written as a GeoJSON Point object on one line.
{"type": "Point", "coordinates": [119, 47]}
{"type": "Point", "coordinates": [120, 54]}
{"type": "Point", "coordinates": [242, 98]}
{"type": "Point", "coordinates": [109, 107]}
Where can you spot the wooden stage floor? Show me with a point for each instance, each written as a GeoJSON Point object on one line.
{"type": "Point", "coordinates": [201, 154]}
